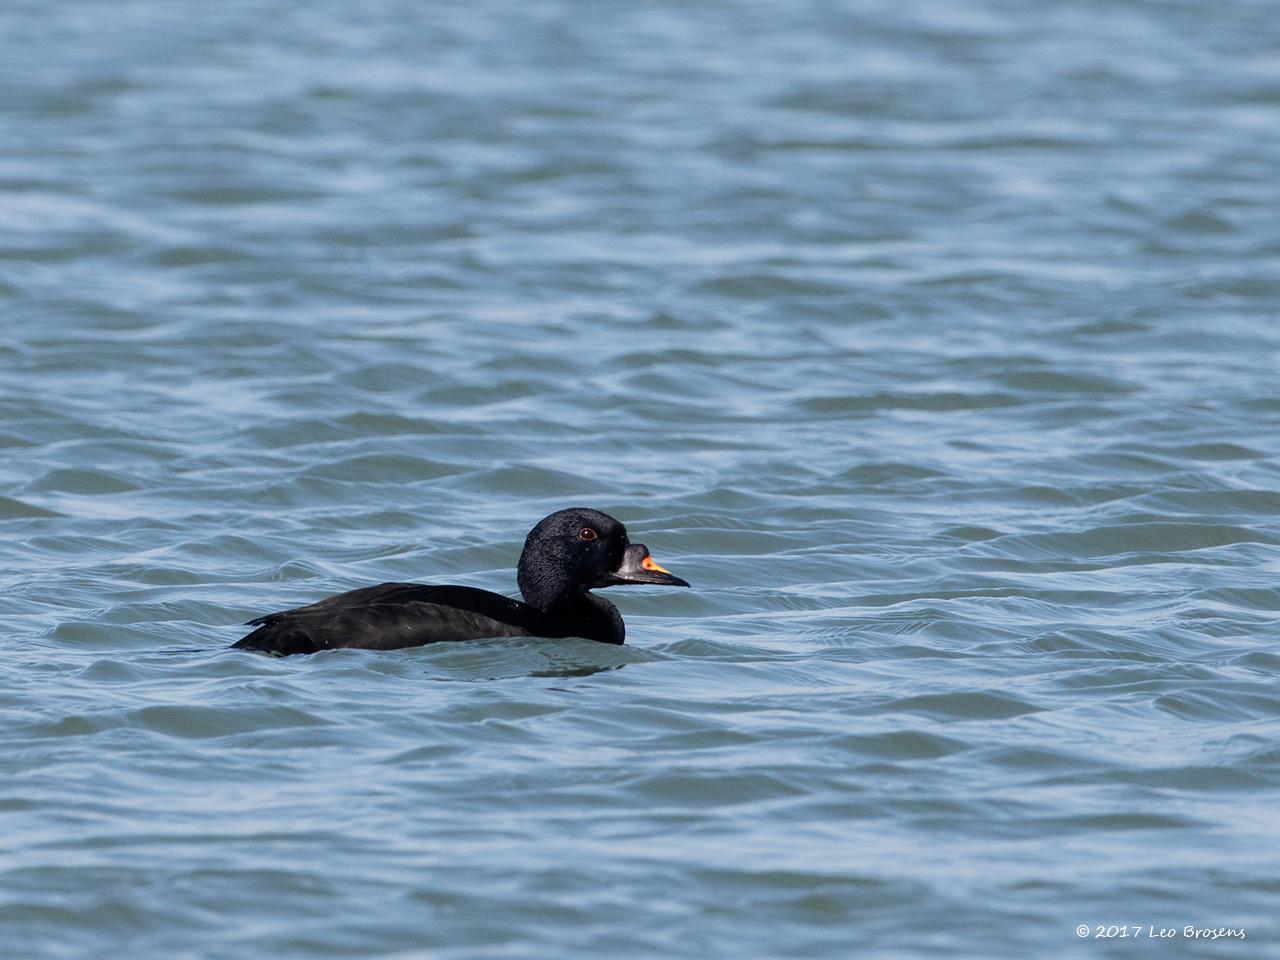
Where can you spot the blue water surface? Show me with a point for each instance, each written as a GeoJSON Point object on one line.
{"type": "Point", "coordinates": [935, 343]}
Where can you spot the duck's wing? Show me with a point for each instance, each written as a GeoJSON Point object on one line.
{"type": "Point", "coordinates": [389, 616]}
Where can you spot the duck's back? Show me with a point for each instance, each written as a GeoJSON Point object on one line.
{"type": "Point", "coordinates": [390, 616]}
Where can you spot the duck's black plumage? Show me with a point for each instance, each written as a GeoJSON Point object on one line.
{"type": "Point", "coordinates": [564, 557]}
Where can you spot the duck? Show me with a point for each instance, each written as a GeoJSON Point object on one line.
{"type": "Point", "coordinates": [566, 555]}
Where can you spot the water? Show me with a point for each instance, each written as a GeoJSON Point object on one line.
{"type": "Point", "coordinates": [935, 343]}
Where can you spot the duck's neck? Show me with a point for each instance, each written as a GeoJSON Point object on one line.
{"type": "Point", "coordinates": [586, 615]}
{"type": "Point", "coordinates": [543, 586]}
{"type": "Point", "coordinates": [567, 608]}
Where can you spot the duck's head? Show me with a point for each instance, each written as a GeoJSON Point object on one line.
{"type": "Point", "coordinates": [572, 551]}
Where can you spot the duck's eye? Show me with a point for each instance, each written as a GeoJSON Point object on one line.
{"type": "Point", "coordinates": [586, 533]}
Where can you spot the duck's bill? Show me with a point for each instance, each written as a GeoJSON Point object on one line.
{"type": "Point", "coordinates": [638, 567]}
